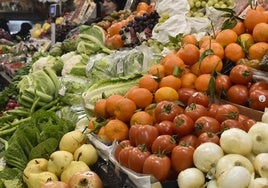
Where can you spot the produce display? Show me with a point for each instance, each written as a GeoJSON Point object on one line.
{"type": "Point", "coordinates": [194, 106]}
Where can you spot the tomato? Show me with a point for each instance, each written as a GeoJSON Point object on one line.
{"type": "Point", "coordinates": [132, 133]}
{"type": "Point", "coordinates": [206, 124]}
{"type": "Point", "coordinates": [188, 140]}
{"type": "Point", "coordinates": [136, 158]}
{"type": "Point", "coordinates": [226, 111]}
{"type": "Point", "coordinates": [241, 74]}
{"type": "Point", "coordinates": [199, 98]}
{"type": "Point", "coordinates": [212, 109]}
{"type": "Point", "coordinates": [163, 144]}
{"type": "Point", "coordinates": [166, 110]}
{"type": "Point", "coordinates": [146, 134]}
{"type": "Point", "coordinates": [165, 127]}
{"type": "Point", "coordinates": [123, 156]}
{"type": "Point", "coordinates": [182, 157]}
{"type": "Point", "coordinates": [150, 109]}
{"type": "Point", "coordinates": [231, 123]}
{"type": "Point", "coordinates": [195, 111]}
{"type": "Point", "coordinates": [261, 85]}
{"type": "Point", "coordinates": [208, 137]}
{"type": "Point", "coordinates": [121, 145]}
{"type": "Point", "coordinates": [242, 117]}
{"type": "Point", "coordinates": [157, 165]}
{"type": "Point", "coordinates": [258, 99]}
{"type": "Point", "coordinates": [248, 123]}
{"type": "Point", "coordinates": [238, 94]}
{"type": "Point", "coordinates": [185, 93]}
{"type": "Point", "coordinates": [222, 84]}
{"type": "Point", "coordinates": [183, 125]}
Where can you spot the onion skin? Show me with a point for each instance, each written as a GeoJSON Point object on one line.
{"type": "Point", "coordinates": [206, 156]}
{"type": "Point", "coordinates": [261, 164]}
{"type": "Point", "coordinates": [85, 179]}
{"type": "Point", "coordinates": [228, 161]}
{"type": "Point", "coordinates": [258, 183]}
{"type": "Point", "coordinates": [259, 135]}
{"type": "Point", "coordinates": [232, 139]}
{"type": "Point", "coordinates": [191, 177]}
{"type": "Point", "coordinates": [237, 176]}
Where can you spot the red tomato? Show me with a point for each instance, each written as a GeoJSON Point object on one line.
{"type": "Point", "coordinates": [165, 127]}
{"type": "Point", "coordinates": [166, 110]}
{"type": "Point", "coordinates": [258, 99]}
{"type": "Point", "coordinates": [241, 74]}
{"type": "Point", "coordinates": [207, 137]}
{"type": "Point", "coordinates": [212, 109]}
{"type": "Point", "coordinates": [136, 158]}
{"type": "Point", "coordinates": [231, 123]}
{"type": "Point", "coordinates": [163, 144]}
{"type": "Point", "coordinates": [238, 94]}
{"type": "Point", "coordinates": [222, 84]}
{"type": "Point", "coordinates": [146, 134]}
{"type": "Point", "coordinates": [199, 98]}
{"type": "Point", "coordinates": [185, 93]}
{"type": "Point", "coordinates": [182, 157]}
{"type": "Point", "coordinates": [261, 85]}
{"type": "Point", "coordinates": [132, 133]}
{"type": "Point", "coordinates": [226, 111]}
{"type": "Point", "coordinates": [206, 124]}
{"type": "Point", "coordinates": [157, 165]}
{"type": "Point", "coordinates": [195, 111]}
{"type": "Point", "coordinates": [183, 125]}
{"type": "Point", "coordinates": [123, 156]}
{"type": "Point", "coordinates": [188, 140]}
{"type": "Point", "coordinates": [248, 123]}
{"type": "Point", "coordinates": [121, 145]}
{"type": "Point", "coordinates": [242, 117]}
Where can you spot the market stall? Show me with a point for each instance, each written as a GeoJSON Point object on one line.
{"type": "Point", "coordinates": [169, 94]}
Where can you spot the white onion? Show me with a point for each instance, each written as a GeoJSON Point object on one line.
{"type": "Point", "coordinates": [259, 135]}
{"type": "Point", "coordinates": [264, 117]}
{"type": "Point", "coordinates": [258, 183]}
{"type": "Point", "coordinates": [237, 141]}
{"type": "Point", "coordinates": [212, 184]}
{"type": "Point", "coordinates": [191, 177]}
{"type": "Point", "coordinates": [235, 177]}
{"type": "Point", "coordinates": [228, 161]}
{"type": "Point", "coordinates": [206, 156]}
{"type": "Point", "coordinates": [261, 164]}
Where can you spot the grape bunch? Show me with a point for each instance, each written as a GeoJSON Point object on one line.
{"type": "Point", "coordinates": [197, 7]}
{"type": "Point", "coordinates": [139, 29]}
{"type": "Point", "coordinates": [62, 31]}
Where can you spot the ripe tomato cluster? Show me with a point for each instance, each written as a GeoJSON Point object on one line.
{"type": "Point", "coordinates": [166, 147]}
{"type": "Point", "coordinates": [240, 88]}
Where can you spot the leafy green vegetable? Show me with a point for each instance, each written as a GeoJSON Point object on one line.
{"type": "Point", "coordinates": [56, 50]}
{"type": "Point", "coordinates": [38, 136]}
{"type": "Point", "coordinates": [55, 63]}
{"type": "Point", "coordinates": [69, 45]}
{"type": "Point", "coordinates": [107, 87]}
{"type": "Point", "coordinates": [10, 178]}
{"type": "Point", "coordinates": [74, 64]}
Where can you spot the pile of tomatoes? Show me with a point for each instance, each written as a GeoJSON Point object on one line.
{"type": "Point", "coordinates": [166, 148]}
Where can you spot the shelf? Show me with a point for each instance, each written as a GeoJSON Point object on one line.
{"type": "Point", "coordinates": [22, 16]}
